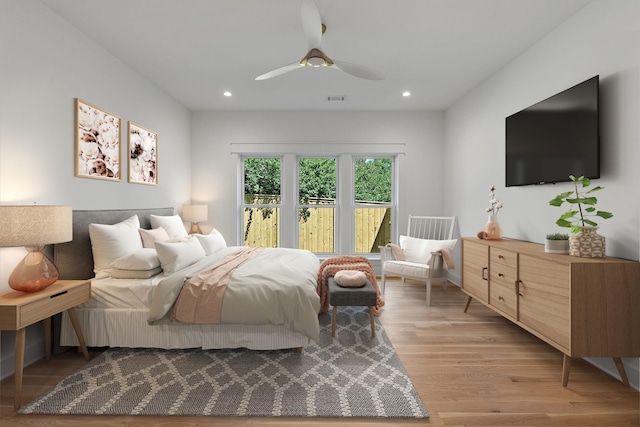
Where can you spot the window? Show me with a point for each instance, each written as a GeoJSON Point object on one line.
{"type": "Point", "coordinates": [341, 204]}
{"type": "Point", "coordinates": [317, 182]}
{"type": "Point", "coordinates": [372, 204]}
{"type": "Point", "coordinates": [262, 202]}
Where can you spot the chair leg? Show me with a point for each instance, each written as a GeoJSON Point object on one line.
{"type": "Point", "coordinates": [384, 281]}
{"type": "Point", "coordinates": [428, 292]}
{"type": "Point", "coordinates": [466, 307]}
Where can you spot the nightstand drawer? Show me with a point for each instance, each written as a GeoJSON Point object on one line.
{"type": "Point", "coordinates": [53, 304]}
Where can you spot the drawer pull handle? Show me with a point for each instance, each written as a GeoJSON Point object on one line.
{"type": "Point", "coordinates": [500, 257]}
{"type": "Point", "coordinates": [500, 298]}
{"type": "Point", "coordinates": [518, 288]}
{"type": "Point", "coordinates": [484, 270]}
{"type": "Point", "coordinates": [58, 294]}
{"type": "Point", "coordinates": [500, 275]}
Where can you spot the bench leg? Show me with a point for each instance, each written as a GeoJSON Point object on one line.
{"type": "Point", "coordinates": [333, 321]}
{"type": "Point", "coordinates": [373, 323]}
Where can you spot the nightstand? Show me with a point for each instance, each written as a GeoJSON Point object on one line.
{"type": "Point", "coordinates": [19, 310]}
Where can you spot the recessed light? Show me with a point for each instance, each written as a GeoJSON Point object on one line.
{"type": "Point", "coordinates": [227, 93]}
{"type": "Point", "coordinates": [406, 93]}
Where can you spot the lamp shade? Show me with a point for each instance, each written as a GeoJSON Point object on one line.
{"type": "Point", "coordinates": [35, 225]}
{"type": "Point", "coordinates": [195, 213]}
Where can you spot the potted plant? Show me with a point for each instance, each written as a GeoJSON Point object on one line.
{"type": "Point", "coordinates": [557, 243]}
{"type": "Point", "coordinates": [584, 241]}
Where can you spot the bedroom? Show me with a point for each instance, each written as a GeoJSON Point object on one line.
{"type": "Point", "coordinates": [43, 71]}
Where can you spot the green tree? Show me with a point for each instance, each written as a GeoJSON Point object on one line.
{"type": "Point", "coordinates": [373, 180]}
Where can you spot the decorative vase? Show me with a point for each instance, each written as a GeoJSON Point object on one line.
{"type": "Point", "coordinates": [492, 228]}
{"type": "Point", "coordinates": [587, 243]}
{"type": "Point", "coordinates": [556, 246]}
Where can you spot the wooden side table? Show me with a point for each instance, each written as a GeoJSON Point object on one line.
{"type": "Point", "coordinates": [19, 310]}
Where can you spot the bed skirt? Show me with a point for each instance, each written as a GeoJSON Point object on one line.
{"type": "Point", "coordinates": [129, 328]}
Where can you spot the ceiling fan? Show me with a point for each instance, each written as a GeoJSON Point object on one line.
{"type": "Point", "coordinates": [314, 28]}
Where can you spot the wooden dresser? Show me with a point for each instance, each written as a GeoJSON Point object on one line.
{"type": "Point", "coordinates": [584, 307]}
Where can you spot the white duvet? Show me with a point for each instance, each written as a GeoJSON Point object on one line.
{"type": "Point", "coordinates": [277, 287]}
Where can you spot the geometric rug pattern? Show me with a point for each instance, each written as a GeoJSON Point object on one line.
{"type": "Point", "coordinates": [351, 375]}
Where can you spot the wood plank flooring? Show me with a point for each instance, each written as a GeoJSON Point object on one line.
{"type": "Point", "coordinates": [470, 369]}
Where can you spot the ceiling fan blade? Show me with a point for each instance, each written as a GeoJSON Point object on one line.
{"type": "Point", "coordinates": [279, 71]}
{"type": "Point", "coordinates": [358, 70]}
{"type": "Point", "coordinates": [311, 23]}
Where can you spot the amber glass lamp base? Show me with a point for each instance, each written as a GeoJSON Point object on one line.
{"type": "Point", "coordinates": [34, 273]}
{"type": "Point", "coordinates": [195, 229]}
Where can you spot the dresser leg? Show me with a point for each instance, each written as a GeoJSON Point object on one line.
{"type": "Point", "coordinates": [621, 371]}
{"type": "Point", "coordinates": [19, 365]}
{"type": "Point", "coordinates": [76, 326]}
{"type": "Point", "coordinates": [466, 307]}
{"type": "Point", "coordinates": [566, 367]}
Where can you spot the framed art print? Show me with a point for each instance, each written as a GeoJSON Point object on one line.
{"type": "Point", "coordinates": [97, 149]}
{"type": "Point", "coordinates": [143, 155]}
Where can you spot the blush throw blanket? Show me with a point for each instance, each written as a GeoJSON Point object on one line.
{"type": "Point", "coordinates": [201, 297]}
{"type": "Point", "coordinates": [329, 268]}
{"type": "Point", "coordinates": [277, 287]}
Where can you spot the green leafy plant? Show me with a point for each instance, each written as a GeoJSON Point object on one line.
{"type": "Point", "coordinates": [557, 236]}
{"type": "Point", "coordinates": [585, 203]}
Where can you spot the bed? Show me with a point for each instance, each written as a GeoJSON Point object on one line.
{"type": "Point", "coordinates": [136, 311]}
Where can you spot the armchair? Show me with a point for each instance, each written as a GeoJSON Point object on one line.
{"type": "Point", "coordinates": [419, 255]}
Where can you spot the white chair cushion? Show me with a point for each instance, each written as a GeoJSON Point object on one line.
{"type": "Point", "coordinates": [407, 268]}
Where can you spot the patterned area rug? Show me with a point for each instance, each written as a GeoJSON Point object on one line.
{"type": "Point", "coordinates": [352, 375]}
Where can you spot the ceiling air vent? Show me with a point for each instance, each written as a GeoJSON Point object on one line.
{"type": "Point", "coordinates": [338, 98]}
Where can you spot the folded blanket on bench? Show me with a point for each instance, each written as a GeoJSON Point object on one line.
{"type": "Point", "coordinates": [331, 266]}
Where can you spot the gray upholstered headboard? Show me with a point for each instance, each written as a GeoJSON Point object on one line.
{"type": "Point", "coordinates": [75, 259]}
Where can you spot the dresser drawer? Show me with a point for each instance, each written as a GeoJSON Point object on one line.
{"type": "Point", "coordinates": [503, 298]}
{"type": "Point", "coordinates": [498, 256]}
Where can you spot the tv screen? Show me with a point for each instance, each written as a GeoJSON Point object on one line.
{"type": "Point", "coordinates": [555, 138]}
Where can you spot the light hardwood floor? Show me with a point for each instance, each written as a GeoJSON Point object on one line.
{"type": "Point", "coordinates": [470, 369]}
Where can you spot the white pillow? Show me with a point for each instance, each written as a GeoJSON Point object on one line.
{"type": "Point", "coordinates": [141, 259]}
{"type": "Point", "coordinates": [135, 274]}
{"type": "Point", "coordinates": [178, 255]}
{"type": "Point", "coordinates": [110, 242]}
{"type": "Point", "coordinates": [211, 242]}
{"type": "Point", "coordinates": [419, 250]}
{"type": "Point", "coordinates": [173, 224]}
{"type": "Point", "coordinates": [149, 237]}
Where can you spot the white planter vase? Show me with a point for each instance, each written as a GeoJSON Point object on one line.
{"type": "Point", "coordinates": [587, 243]}
{"type": "Point", "coordinates": [556, 246]}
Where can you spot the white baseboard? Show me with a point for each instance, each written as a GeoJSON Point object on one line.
{"type": "Point", "coordinates": [631, 367]}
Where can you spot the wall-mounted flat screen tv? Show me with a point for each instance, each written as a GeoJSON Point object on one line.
{"type": "Point", "coordinates": [555, 138]}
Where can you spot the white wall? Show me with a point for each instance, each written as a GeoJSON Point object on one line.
{"type": "Point", "coordinates": [44, 64]}
{"type": "Point", "coordinates": [215, 136]}
{"type": "Point", "coordinates": [603, 39]}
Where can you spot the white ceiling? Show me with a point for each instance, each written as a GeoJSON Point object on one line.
{"type": "Point", "coordinates": [194, 50]}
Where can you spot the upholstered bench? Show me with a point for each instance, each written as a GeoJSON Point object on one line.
{"type": "Point", "coordinates": [363, 296]}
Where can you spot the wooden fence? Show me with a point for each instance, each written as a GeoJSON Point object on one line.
{"type": "Point", "coordinates": [317, 232]}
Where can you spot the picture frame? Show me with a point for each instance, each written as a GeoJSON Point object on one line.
{"type": "Point", "coordinates": [143, 155]}
{"type": "Point", "coordinates": [97, 142]}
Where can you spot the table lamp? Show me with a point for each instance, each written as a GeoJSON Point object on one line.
{"type": "Point", "coordinates": [194, 214]}
{"type": "Point", "coordinates": [34, 227]}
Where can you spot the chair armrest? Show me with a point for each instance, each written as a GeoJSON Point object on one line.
{"type": "Point", "coordinates": [385, 254]}
{"type": "Point", "coordinates": [436, 265]}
